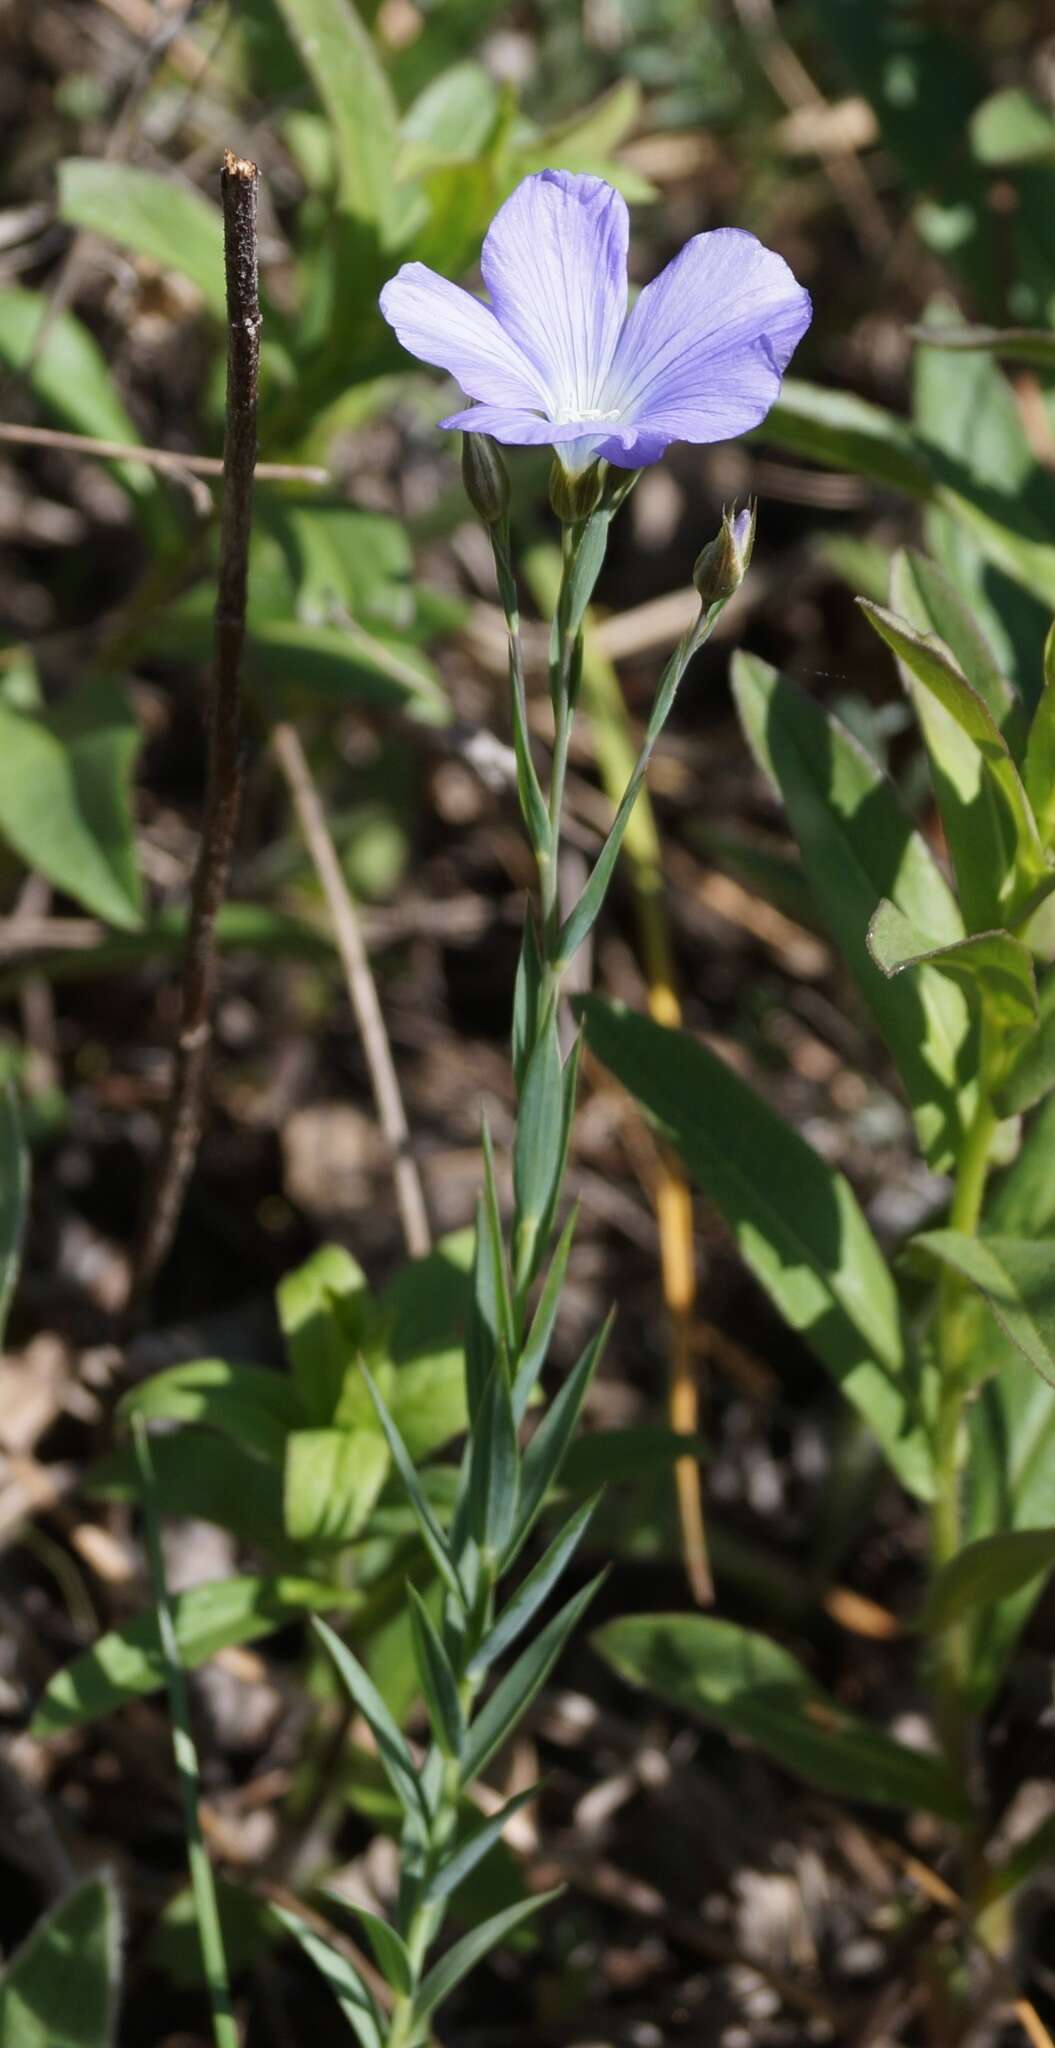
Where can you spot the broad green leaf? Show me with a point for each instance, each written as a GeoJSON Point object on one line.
{"type": "Point", "coordinates": [841, 431]}
{"type": "Point", "coordinates": [128, 1661]}
{"type": "Point", "coordinates": [1015, 1276]}
{"type": "Point", "coordinates": [1030, 1075]}
{"type": "Point", "coordinates": [450, 121]}
{"type": "Point", "coordinates": [256, 1407]}
{"type": "Point", "coordinates": [472, 1948]}
{"type": "Point", "coordinates": [65, 798]}
{"type": "Point", "coordinates": [548, 1448]}
{"type": "Point", "coordinates": [986, 1572]}
{"type": "Point", "coordinates": [14, 1194]}
{"type": "Point", "coordinates": [354, 1997]}
{"type": "Point", "coordinates": [745, 1684]}
{"type": "Point", "coordinates": [398, 1763]}
{"type": "Point", "coordinates": [422, 1313]}
{"type": "Point", "coordinates": [494, 1465]}
{"type": "Point", "coordinates": [390, 1950]}
{"type": "Point", "coordinates": [514, 1692]}
{"type": "Point", "coordinates": [331, 1481]}
{"type": "Point", "coordinates": [343, 63]}
{"type": "Point", "coordinates": [210, 1477]}
{"type": "Point", "coordinates": [152, 215]}
{"type": "Point", "coordinates": [930, 601]}
{"type": "Point", "coordinates": [524, 1603]}
{"type": "Point", "coordinates": [994, 967]}
{"type": "Point", "coordinates": [796, 1221]}
{"type": "Point", "coordinates": [988, 821]}
{"type": "Point", "coordinates": [857, 846]}
{"type": "Point", "coordinates": [323, 1308]}
{"type": "Point", "coordinates": [1010, 127]}
{"type": "Point", "coordinates": [438, 1683]}
{"type": "Point", "coordinates": [60, 1989]}
{"type": "Point", "coordinates": [69, 376]}
{"type": "Point", "coordinates": [289, 661]}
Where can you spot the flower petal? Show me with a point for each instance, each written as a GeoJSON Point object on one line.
{"type": "Point", "coordinates": [703, 351]}
{"type": "Point", "coordinates": [554, 263]}
{"type": "Point", "coordinates": [439, 323]}
{"type": "Point", "coordinates": [518, 427]}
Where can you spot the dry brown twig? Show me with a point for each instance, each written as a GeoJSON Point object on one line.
{"type": "Point", "coordinates": [156, 458]}
{"type": "Point", "coordinates": [362, 989]}
{"type": "Point", "coordinates": [238, 187]}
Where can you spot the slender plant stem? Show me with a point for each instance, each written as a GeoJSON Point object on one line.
{"type": "Point", "coordinates": [203, 1887]}
{"type": "Point", "coordinates": [362, 988]}
{"type": "Point", "coordinates": [955, 1324]}
{"type": "Point", "coordinates": [155, 458]}
{"type": "Point", "coordinates": [238, 185]}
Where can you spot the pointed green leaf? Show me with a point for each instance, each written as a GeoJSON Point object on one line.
{"type": "Point", "coordinates": [1039, 767]}
{"type": "Point", "coordinates": [354, 1997]}
{"type": "Point", "coordinates": [986, 1572]}
{"type": "Point", "coordinates": [69, 376]}
{"type": "Point", "coordinates": [546, 1452]}
{"type": "Point", "coordinates": [537, 1147]}
{"type": "Point", "coordinates": [438, 1684]}
{"type": "Point", "coordinates": [526, 1000]}
{"type": "Point", "coordinates": [60, 1989]}
{"type": "Point", "coordinates": [127, 1662]}
{"type": "Point", "coordinates": [152, 216]}
{"type": "Point", "coordinates": [471, 1950]}
{"type": "Point", "coordinates": [475, 1847]}
{"type": "Point", "coordinates": [993, 967]}
{"type": "Point", "coordinates": [533, 1356]}
{"type": "Point", "coordinates": [491, 1312]}
{"type": "Point", "coordinates": [742, 1682]}
{"type": "Point", "coordinates": [524, 1603]}
{"type": "Point", "coordinates": [514, 1693]}
{"type": "Point", "coordinates": [1015, 1275]}
{"type": "Point", "coordinates": [858, 845]}
{"type": "Point", "coordinates": [431, 1533]}
{"type": "Point", "coordinates": [390, 1950]}
{"type": "Point", "coordinates": [494, 1466]}
{"type": "Point", "coordinates": [797, 1223]}
{"type": "Point", "coordinates": [845, 432]}
{"type": "Point", "coordinates": [990, 827]}
{"type": "Point", "coordinates": [1034, 345]}
{"type": "Point", "coordinates": [1009, 1484]}
{"type": "Point", "coordinates": [399, 1765]}
{"type": "Point", "coordinates": [932, 605]}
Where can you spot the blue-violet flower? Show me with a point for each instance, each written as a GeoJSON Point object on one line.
{"type": "Point", "coordinates": [556, 358]}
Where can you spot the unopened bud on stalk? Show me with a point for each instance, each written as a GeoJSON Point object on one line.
{"type": "Point", "coordinates": [722, 566]}
{"type": "Point", "coordinates": [485, 477]}
{"type": "Point", "coordinates": [574, 496]}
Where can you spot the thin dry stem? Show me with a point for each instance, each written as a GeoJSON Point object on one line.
{"type": "Point", "coordinates": [156, 458]}
{"type": "Point", "coordinates": [362, 989]}
{"type": "Point", "coordinates": [239, 181]}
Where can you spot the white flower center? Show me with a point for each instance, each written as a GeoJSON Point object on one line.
{"type": "Point", "coordinates": [565, 413]}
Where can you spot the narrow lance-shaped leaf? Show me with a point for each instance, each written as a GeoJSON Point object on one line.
{"type": "Point", "coordinates": [432, 1535]}
{"type": "Point", "coordinates": [523, 1604]}
{"type": "Point", "coordinates": [858, 845]}
{"type": "Point", "coordinates": [390, 1950]}
{"type": "Point", "coordinates": [438, 1683]}
{"type": "Point", "coordinates": [1039, 767]}
{"type": "Point", "coordinates": [491, 1309]}
{"type": "Point", "coordinates": [742, 1682]}
{"type": "Point", "coordinates": [529, 790]}
{"type": "Point", "coordinates": [459, 1865]}
{"type": "Point", "coordinates": [546, 1451]}
{"type": "Point", "coordinates": [537, 1151]}
{"type": "Point", "coordinates": [514, 1692]}
{"type": "Point", "coordinates": [342, 60]}
{"type": "Point", "coordinates": [1030, 1075]}
{"type": "Point", "coordinates": [354, 1997]}
{"type": "Point", "coordinates": [533, 1356]}
{"type": "Point", "coordinates": [797, 1223]}
{"type": "Point", "coordinates": [494, 1465]}
{"type": "Point", "coordinates": [931, 603]}
{"type": "Point", "coordinates": [526, 999]}
{"type": "Point", "coordinates": [392, 1750]}
{"type": "Point", "coordinates": [471, 1950]}
{"type": "Point", "coordinates": [65, 798]}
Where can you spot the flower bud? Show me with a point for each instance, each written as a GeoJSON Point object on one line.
{"type": "Point", "coordinates": [485, 477]}
{"type": "Point", "coordinates": [721, 567]}
{"type": "Point", "coordinates": [575, 494]}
